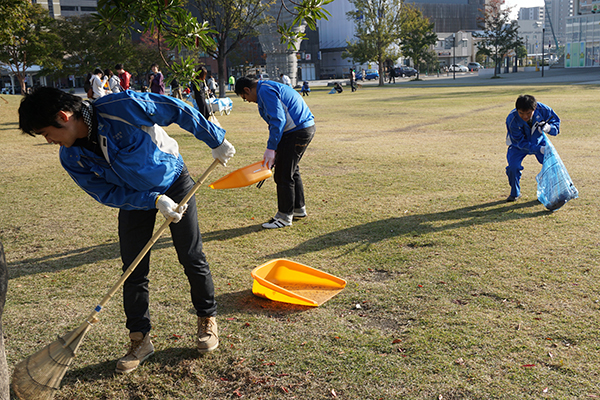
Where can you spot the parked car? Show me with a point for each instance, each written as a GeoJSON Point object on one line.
{"type": "Point", "coordinates": [405, 71]}
{"type": "Point", "coordinates": [369, 74]}
{"type": "Point", "coordinates": [458, 68]}
{"type": "Point", "coordinates": [474, 66]}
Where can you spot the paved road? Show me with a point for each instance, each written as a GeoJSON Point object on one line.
{"type": "Point", "coordinates": [583, 76]}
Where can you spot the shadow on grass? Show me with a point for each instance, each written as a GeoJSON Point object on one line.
{"type": "Point", "coordinates": [225, 234]}
{"type": "Point", "coordinates": [416, 225]}
{"type": "Point", "coordinates": [73, 258]}
{"type": "Point", "coordinates": [170, 356]}
{"type": "Point", "coordinates": [9, 126]}
{"type": "Point", "coordinates": [247, 303]}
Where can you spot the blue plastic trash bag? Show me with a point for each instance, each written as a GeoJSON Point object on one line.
{"type": "Point", "coordinates": [555, 186]}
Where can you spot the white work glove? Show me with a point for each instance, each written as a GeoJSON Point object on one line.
{"type": "Point", "coordinates": [543, 127]}
{"type": "Point", "coordinates": [224, 152]}
{"type": "Point", "coordinates": [543, 149]}
{"type": "Point", "coordinates": [269, 158]}
{"type": "Point", "coordinates": [169, 208]}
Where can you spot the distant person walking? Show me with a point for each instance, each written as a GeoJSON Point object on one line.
{"type": "Point", "coordinates": [201, 92]}
{"type": "Point", "coordinates": [176, 89]}
{"type": "Point", "coordinates": [114, 83]}
{"type": "Point", "coordinates": [124, 76]}
{"type": "Point", "coordinates": [98, 80]}
{"type": "Point", "coordinates": [157, 80]}
{"type": "Point", "coordinates": [231, 82]}
{"type": "Point", "coordinates": [212, 85]}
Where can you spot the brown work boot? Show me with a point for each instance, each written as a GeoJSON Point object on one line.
{"type": "Point", "coordinates": [208, 334]}
{"type": "Point", "coordinates": [141, 348]}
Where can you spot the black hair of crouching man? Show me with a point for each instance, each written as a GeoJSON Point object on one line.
{"type": "Point", "coordinates": [4, 381]}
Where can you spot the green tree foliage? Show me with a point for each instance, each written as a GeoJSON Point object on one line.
{"type": "Point", "coordinates": [499, 34]}
{"type": "Point", "coordinates": [175, 26]}
{"type": "Point", "coordinates": [27, 38]}
{"type": "Point", "coordinates": [378, 24]}
{"type": "Point", "coordinates": [232, 21]}
{"type": "Point", "coordinates": [309, 11]}
{"type": "Point", "coordinates": [87, 48]}
{"type": "Point", "coordinates": [417, 36]}
{"type": "Point", "coordinates": [169, 21]}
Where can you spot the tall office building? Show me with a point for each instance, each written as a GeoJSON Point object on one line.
{"type": "Point", "coordinates": [451, 15]}
{"type": "Point", "coordinates": [531, 14]}
{"type": "Point", "coordinates": [557, 12]}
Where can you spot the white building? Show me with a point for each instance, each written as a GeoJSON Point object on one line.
{"type": "Point", "coordinates": [68, 8]}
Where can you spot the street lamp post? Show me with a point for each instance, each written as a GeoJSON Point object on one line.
{"type": "Point", "coordinates": [454, 56]}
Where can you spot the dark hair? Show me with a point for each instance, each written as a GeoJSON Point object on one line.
{"type": "Point", "coordinates": [154, 65]}
{"type": "Point", "coordinates": [40, 108]}
{"type": "Point", "coordinates": [525, 102]}
{"type": "Point", "coordinates": [98, 71]}
{"type": "Point", "coordinates": [108, 73]}
{"type": "Point", "coordinates": [118, 66]}
{"type": "Point", "coordinates": [201, 72]}
{"type": "Point", "coordinates": [244, 82]}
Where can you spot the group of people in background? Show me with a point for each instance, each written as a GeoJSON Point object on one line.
{"type": "Point", "coordinates": [100, 83]}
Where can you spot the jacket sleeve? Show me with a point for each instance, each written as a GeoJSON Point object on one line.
{"type": "Point", "coordinates": [271, 110]}
{"type": "Point", "coordinates": [550, 117]}
{"type": "Point", "coordinates": [105, 193]}
{"type": "Point", "coordinates": [147, 109]}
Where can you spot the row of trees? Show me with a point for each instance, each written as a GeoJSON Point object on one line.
{"type": "Point", "coordinates": [169, 32]}
{"type": "Point", "coordinates": [386, 28]}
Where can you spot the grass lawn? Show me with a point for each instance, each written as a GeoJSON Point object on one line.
{"type": "Point", "coordinates": [452, 293]}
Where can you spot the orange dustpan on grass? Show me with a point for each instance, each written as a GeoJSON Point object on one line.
{"type": "Point", "coordinates": [245, 176]}
{"type": "Point", "coordinates": [291, 282]}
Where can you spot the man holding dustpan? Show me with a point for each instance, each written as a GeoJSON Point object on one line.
{"type": "Point", "coordinates": [116, 151]}
{"type": "Point", "coordinates": [291, 129]}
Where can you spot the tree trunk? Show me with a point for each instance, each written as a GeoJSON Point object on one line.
{"type": "Point", "coordinates": [4, 381]}
{"type": "Point", "coordinates": [222, 68]}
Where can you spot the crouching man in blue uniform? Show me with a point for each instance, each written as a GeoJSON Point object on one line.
{"type": "Point", "coordinates": [291, 129]}
{"type": "Point", "coordinates": [117, 152]}
{"type": "Point", "coordinates": [526, 125]}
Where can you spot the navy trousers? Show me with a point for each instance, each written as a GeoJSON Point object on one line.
{"type": "Point", "coordinates": [290, 191]}
{"type": "Point", "coordinates": [135, 230]}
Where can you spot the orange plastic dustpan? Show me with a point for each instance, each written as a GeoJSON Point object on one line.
{"type": "Point", "coordinates": [291, 282]}
{"type": "Point", "coordinates": [245, 176]}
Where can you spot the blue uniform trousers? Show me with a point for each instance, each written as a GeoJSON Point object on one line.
{"type": "Point", "coordinates": [515, 158]}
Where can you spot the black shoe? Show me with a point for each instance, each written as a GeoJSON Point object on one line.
{"type": "Point", "coordinates": [511, 198]}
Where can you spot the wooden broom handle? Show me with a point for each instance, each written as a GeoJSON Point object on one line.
{"type": "Point", "coordinates": [92, 319]}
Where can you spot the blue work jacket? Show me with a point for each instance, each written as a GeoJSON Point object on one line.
{"type": "Point", "coordinates": [521, 136]}
{"type": "Point", "coordinates": [140, 160]}
{"type": "Point", "coordinates": [283, 109]}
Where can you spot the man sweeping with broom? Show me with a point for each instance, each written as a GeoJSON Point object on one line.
{"type": "Point", "coordinates": [117, 152]}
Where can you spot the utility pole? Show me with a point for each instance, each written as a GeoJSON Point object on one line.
{"type": "Point", "coordinates": [543, 30]}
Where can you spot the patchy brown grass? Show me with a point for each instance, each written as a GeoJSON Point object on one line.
{"type": "Point", "coordinates": [461, 295]}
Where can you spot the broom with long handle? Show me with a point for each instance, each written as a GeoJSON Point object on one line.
{"type": "Point", "coordinates": [38, 377]}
